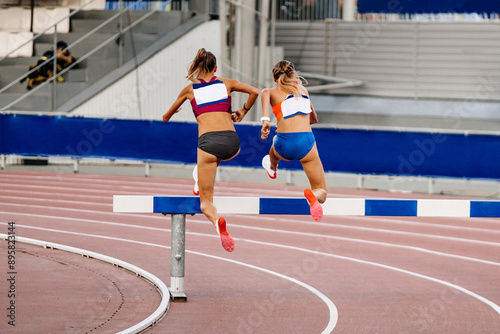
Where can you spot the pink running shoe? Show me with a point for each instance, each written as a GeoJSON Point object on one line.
{"type": "Point", "coordinates": [196, 190]}
{"type": "Point", "coordinates": [316, 209]}
{"type": "Point", "coordinates": [226, 239]}
{"type": "Point", "coordinates": [266, 163]}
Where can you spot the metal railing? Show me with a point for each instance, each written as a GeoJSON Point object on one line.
{"type": "Point", "coordinates": [80, 59]}
{"type": "Point", "coordinates": [307, 10]}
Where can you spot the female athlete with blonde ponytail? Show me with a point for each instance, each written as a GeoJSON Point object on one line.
{"type": "Point", "coordinates": [294, 139]}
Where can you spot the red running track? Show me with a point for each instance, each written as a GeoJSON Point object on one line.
{"type": "Point", "coordinates": [288, 274]}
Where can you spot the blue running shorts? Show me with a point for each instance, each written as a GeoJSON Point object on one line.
{"type": "Point", "coordinates": [293, 145]}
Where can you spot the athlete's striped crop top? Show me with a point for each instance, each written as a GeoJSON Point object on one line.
{"type": "Point", "coordinates": [292, 106]}
{"type": "Point", "coordinates": [210, 97]}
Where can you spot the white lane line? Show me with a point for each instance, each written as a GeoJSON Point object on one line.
{"type": "Point", "coordinates": [152, 279]}
{"type": "Point", "coordinates": [302, 234]}
{"type": "Point", "coordinates": [482, 299]}
{"type": "Point", "coordinates": [152, 188]}
{"type": "Point", "coordinates": [423, 235]}
{"type": "Point", "coordinates": [260, 217]}
{"type": "Point", "coordinates": [28, 195]}
{"type": "Point", "coordinates": [411, 273]}
{"type": "Point", "coordinates": [333, 313]}
{"type": "Point", "coordinates": [47, 201]}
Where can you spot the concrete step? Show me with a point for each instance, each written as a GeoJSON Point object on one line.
{"type": "Point", "coordinates": [102, 14]}
{"type": "Point", "coordinates": [96, 66]}
{"type": "Point", "coordinates": [38, 101]}
{"type": "Point", "coordinates": [77, 75]}
{"type": "Point", "coordinates": [21, 61]}
{"type": "Point", "coordinates": [12, 72]}
{"type": "Point", "coordinates": [66, 90]}
{"type": "Point", "coordinates": [40, 48]}
{"type": "Point", "coordinates": [82, 48]}
{"type": "Point", "coordinates": [87, 25]}
{"type": "Point", "coordinates": [41, 100]}
{"type": "Point", "coordinates": [106, 14]}
{"type": "Point", "coordinates": [18, 87]}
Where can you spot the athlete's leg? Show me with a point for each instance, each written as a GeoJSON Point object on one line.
{"type": "Point", "coordinates": [207, 170]}
{"type": "Point", "coordinates": [275, 158]}
{"type": "Point", "coordinates": [314, 170]}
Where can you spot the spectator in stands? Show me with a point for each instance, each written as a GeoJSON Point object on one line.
{"type": "Point", "coordinates": [294, 139]}
{"type": "Point", "coordinates": [42, 73]}
{"type": "Point", "coordinates": [64, 56]}
{"type": "Point", "coordinates": [46, 71]}
{"type": "Point", "coordinates": [218, 141]}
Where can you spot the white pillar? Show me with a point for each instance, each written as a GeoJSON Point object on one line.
{"type": "Point", "coordinates": [264, 24]}
{"type": "Point", "coordinates": [244, 45]}
{"type": "Point", "coordinates": [223, 58]}
{"type": "Point", "coordinates": [349, 10]}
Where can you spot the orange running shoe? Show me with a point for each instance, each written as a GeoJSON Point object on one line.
{"type": "Point", "coordinates": [226, 239]}
{"type": "Point", "coordinates": [316, 209]}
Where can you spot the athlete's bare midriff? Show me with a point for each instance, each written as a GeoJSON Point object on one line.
{"type": "Point", "coordinates": [297, 123]}
{"type": "Point", "coordinates": [214, 121]}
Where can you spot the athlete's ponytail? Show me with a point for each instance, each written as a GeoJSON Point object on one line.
{"type": "Point", "coordinates": [203, 63]}
{"type": "Point", "coordinates": [287, 78]}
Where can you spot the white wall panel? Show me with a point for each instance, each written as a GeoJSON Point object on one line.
{"type": "Point", "coordinates": [443, 60]}
{"type": "Point", "coordinates": [161, 79]}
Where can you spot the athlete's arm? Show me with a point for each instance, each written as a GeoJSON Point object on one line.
{"type": "Point", "coordinates": [265, 97]}
{"type": "Point", "coordinates": [253, 93]}
{"type": "Point", "coordinates": [313, 117]}
{"type": "Point", "coordinates": [176, 106]}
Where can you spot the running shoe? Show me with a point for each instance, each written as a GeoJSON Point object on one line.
{"type": "Point", "coordinates": [226, 239]}
{"type": "Point", "coordinates": [196, 190]}
{"type": "Point", "coordinates": [266, 163]}
{"type": "Point", "coordinates": [316, 209]}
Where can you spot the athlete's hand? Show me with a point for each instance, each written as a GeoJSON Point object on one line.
{"type": "Point", "coordinates": [237, 116]}
{"type": "Point", "coordinates": [266, 127]}
{"type": "Point", "coordinates": [166, 117]}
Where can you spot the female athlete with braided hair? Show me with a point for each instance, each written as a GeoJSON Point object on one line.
{"type": "Point", "coordinates": [210, 98]}
{"type": "Point", "coordinates": [294, 139]}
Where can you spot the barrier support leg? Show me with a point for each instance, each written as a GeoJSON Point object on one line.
{"type": "Point", "coordinates": [178, 250]}
{"type": "Point", "coordinates": [76, 164]}
{"type": "Point", "coordinates": [2, 161]}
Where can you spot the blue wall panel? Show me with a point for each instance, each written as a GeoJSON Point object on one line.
{"type": "Point", "coordinates": [358, 151]}
{"type": "Point", "coordinates": [428, 6]}
{"type": "Point", "coordinates": [90, 137]}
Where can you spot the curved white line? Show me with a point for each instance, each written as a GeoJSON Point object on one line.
{"type": "Point", "coordinates": [302, 234]}
{"type": "Point", "coordinates": [155, 281]}
{"type": "Point", "coordinates": [495, 307]}
{"type": "Point", "coordinates": [411, 273]}
{"type": "Point", "coordinates": [431, 236]}
{"type": "Point", "coordinates": [333, 318]}
{"type": "Point", "coordinates": [393, 221]}
{"type": "Point", "coordinates": [331, 306]}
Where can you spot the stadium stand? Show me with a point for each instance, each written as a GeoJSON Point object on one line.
{"type": "Point", "coordinates": [96, 40]}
